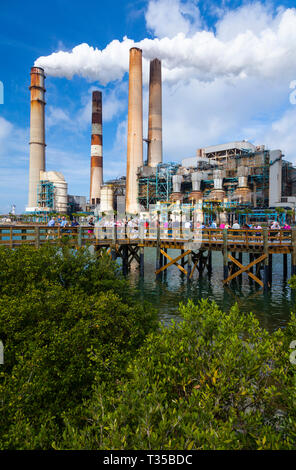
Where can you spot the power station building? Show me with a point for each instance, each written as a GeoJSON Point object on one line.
{"type": "Point", "coordinates": [237, 174]}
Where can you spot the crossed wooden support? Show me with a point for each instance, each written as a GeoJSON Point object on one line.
{"type": "Point", "coordinates": [173, 261]}
{"type": "Point", "coordinates": [132, 253]}
{"type": "Point", "coordinates": [197, 258]}
{"type": "Point", "coordinates": [245, 269]}
{"type": "Point", "coordinates": [201, 262]}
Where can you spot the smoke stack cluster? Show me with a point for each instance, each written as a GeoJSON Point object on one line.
{"type": "Point", "coordinates": [96, 170]}
{"type": "Point", "coordinates": [37, 133]}
{"type": "Point", "coordinates": [155, 115]}
{"type": "Point", "coordinates": [135, 124]}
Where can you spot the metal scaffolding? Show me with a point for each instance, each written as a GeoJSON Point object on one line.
{"type": "Point", "coordinates": [45, 194]}
{"type": "Point", "coordinates": [158, 186]}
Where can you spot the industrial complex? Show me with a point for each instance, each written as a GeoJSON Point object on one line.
{"type": "Point", "coordinates": [230, 175]}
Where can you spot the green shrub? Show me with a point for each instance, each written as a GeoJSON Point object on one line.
{"type": "Point", "coordinates": [66, 319]}
{"type": "Point", "coordinates": [214, 381]}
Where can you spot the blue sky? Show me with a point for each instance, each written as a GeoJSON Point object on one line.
{"type": "Point", "coordinates": [227, 68]}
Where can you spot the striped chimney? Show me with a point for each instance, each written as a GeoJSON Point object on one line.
{"type": "Point", "coordinates": [96, 167]}
{"type": "Point", "coordinates": [37, 134]}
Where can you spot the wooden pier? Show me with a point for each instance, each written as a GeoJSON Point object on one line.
{"type": "Point", "coordinates": [194, 249]}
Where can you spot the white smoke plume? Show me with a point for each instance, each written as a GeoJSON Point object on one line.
{"type": "Point", "coordinates": [264, 53]}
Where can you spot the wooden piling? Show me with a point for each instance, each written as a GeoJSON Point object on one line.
{"type": "Point", "coordinates": [79, 237]}
{"type": "Point", "coordinates": [37, 236]}
{"type": "Point", "coordinates": [200, 263]}
{"type": "Point", "coordinates": [225, 255]}
{"type": "Point", "coordinates": [114, 231]}
{"type": "Point", "coordinates": [293, 254]}
{"type": "Point", "coordinates": [285, 266]}
{"type": "Point", "coordinates": [124, 260]}
{"type": "Point", "coordinates": [165, 271]}
{"type": "Point", "coordinates": [141, 261]}
{"type": "Point", "coordinates": [189, 266]}
{"type": "Point", "coordinates": [141, 250]}
{"type": "Point", "coordinates": [266, 260]}
{"type": "Point", "coordinates": [270, 269]}
{"type": "Point", "coordinates": [182, 259]}
{"type": "Point", "coordinates": [158, 254]}
{"type": "Point", "coordinates": [210, 269]}
{"type": "Point", "coordinates": [251, 259]}
{"type": "Point", "coordinates": [113, 253]}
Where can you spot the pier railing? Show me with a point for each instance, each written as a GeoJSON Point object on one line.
{"type": "Point", "coordinates": [16, 235]}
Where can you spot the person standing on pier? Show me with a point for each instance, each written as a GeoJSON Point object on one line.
{"type": "Point", "coordinates": [51, 223]}
{"type": "Point", "coordinates": [63, 224]}
{"type": "Point", "coordinates": [213, 224]}
{"type": "Point", "coordinates": [236, 225]}
{"type": "Point", "coordinates": [91, 227]}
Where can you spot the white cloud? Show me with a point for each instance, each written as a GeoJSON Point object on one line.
{"type": "Point", "coordinates": [254, 17]}
{"type": "Point", "coordinates": [112, 105]}
{"type": "Point", "coordinates": [167, 18]}
{"type": "Point", "coordinates": [201, 114]}
{"type": "Point", "coordinates": [280, 134]}
{"type": "Point", "coordinates": [264, 51]}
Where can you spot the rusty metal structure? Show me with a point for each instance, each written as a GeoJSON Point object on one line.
{"type": "Point", "coordinates": [96, 166]}
{"type": "Point", "coordinates": [37, 134]}
{"type": "Point", "coordinates": [135, 130]}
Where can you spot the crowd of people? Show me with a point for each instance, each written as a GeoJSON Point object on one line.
{"type": "Point", "coordinates": [137, 227]}
{"type": "Point", "coordinates": [272, 225]}
{"type": "Point", "coordinates": [68, 226]}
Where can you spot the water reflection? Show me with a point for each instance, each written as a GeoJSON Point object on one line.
{"type": "Point", "coordinates": [272, 309]}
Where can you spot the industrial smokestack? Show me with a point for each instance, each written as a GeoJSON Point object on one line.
{"type": "Point", "coordinates": [96, 166]}
{"type": "Point", "coordinates": [155, 115]}
{"type": "Point", "coordinates": [37, 134]}
{"type": "Point", "coordinates": [135, 130]}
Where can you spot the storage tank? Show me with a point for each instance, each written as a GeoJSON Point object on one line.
{"type": "Point", "coordinates": [60, 189]}
{"type": "Point", "coordinates": [106, 198]}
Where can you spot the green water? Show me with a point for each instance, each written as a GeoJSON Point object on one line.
{"type": "Point", "coordinates": [272, 309]}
